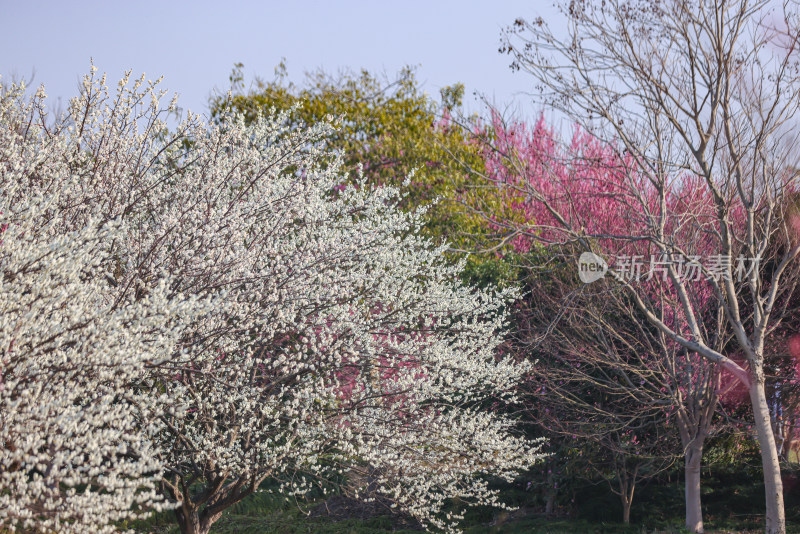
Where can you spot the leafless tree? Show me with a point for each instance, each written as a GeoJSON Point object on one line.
{"type": "Point", "coordinates": [702, 90]}
{"type": "Point", "coordinates": [610, 377]}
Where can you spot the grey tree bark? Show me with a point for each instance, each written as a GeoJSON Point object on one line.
{"type": "Point", "coordinates": [773, 485]}
{"type": "Point", "coordinates": [694, 507]}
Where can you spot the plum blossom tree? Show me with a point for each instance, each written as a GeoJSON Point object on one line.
{"type": "Point", "coordinates": [590, 336]}
{"type": "Point", "coordinates": [75, 446]}
{"type": "Point", "coordinates": [690, 96]}
{"type": "Point", "coordinates": [339, 339]}
{"type": "Point", "coordinates": [607, 379]}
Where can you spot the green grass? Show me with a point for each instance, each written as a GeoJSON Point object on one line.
{"type": "Point", "coordinates": [287, 522]}
{"type": "Point", "coordinates": [733, 502]}
{"type": "Point", "coordinates": [261, 515]}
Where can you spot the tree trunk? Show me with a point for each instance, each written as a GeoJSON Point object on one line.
{"type": "Point", "coordinates": [626, 510]}
{"type": "Point", "coordinates": [694, 509]}
{"type": "Point", "coordinates": [190, 521]}
{"type": "Point", "coordinates": [627, 485]}
{"type": "Point", "coordinates": [776, 517]}
{"type": "Point", "coordinates": [550, 504]}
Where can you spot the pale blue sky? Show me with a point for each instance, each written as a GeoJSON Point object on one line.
{"type": "Point", "coordinates": [194, 44]}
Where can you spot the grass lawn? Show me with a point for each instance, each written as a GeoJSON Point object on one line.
{"type": "Point", "coordinates": [261, 514]}
{"type": "Point", "coordinates": [733, 501]}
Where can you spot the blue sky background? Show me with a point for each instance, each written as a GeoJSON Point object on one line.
{"type": "Point", "coordinates": [195, 44]}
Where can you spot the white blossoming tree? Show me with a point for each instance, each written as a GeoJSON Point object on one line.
{"type": "Point", "coordinates": [75, 448]}
{"type": "Point", "coordinates": [340, 341]}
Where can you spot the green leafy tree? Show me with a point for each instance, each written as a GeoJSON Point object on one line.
{"type": "Point", "coordinates": [390, 128]}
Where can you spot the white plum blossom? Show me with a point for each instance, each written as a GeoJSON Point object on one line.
{"type": "Point", "coordinates": [339, 340]}
{"type": "Point", "coordinates": [75, 447]}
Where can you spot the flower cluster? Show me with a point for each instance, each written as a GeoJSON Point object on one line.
{"type": "Point", "coordinates": [75, 444]}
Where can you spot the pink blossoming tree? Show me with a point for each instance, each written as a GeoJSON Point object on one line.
{"type": "Point", "coordinates": [689, 96]}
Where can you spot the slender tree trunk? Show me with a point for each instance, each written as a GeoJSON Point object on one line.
{"type": "Point", "coordinates": [692, 467]}
{"type": "Point", "coordinates": [550, 504]}
{"type": "Point", "coordinates": [776, 517]}
{"type": "Point", "coordinates": [626, 481]}
{"type": "Point", "coordinates": [626, 510]}
{"type": "Point", "coordinates": [780, 436]}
